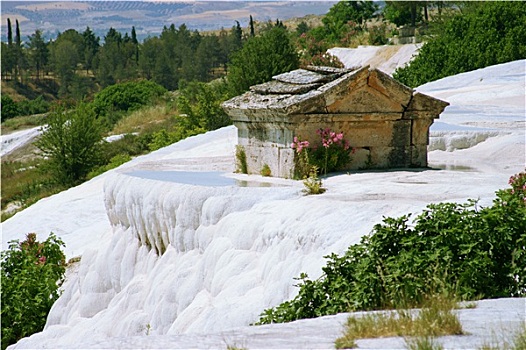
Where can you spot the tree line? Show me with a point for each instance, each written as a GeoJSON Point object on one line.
{"type": "Point", "coordinates": [79, 60]}
{"type": "Point", "coordinates": [77, 63]}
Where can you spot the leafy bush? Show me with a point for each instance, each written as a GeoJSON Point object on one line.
{"type": "Point", "coordinates": [450, 248]}
{"type": "Point", "coordinates": [260, 59]}
{"type": "Point", "coordinates": [378, 35]}
{"type": "Point", "coordinates": [72, 142]}
{"type": "Point", "coordinates": [31, 275]}
{"type": "Point", "coordinates": [487, 33]}
{"type": "Point", "coordinates": [125, 97]}
{"type": "Point", "coordinates": [201, 105]}
{"type": "Point", "coordinates": [36, 106]}
{"type": "Point", "coordinates": [313, 51]}
{"type": "Point", "coordinates": [162, 139]}
{"type": "Point", "coordinates": [10, 108]}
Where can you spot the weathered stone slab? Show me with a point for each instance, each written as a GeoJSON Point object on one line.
{"type": "Point", "coordinates": [280, 88]}
{"type": "Point", "coordinates": [363, 100]}
{"type": "Point", "coordinates": [428, 106]}
{"type": "Point", "coordinates": [331, 70]}
{"type": "Point", "coordinates": [302, 76]}
{"type": "Point", "coordinates": [393, 90]}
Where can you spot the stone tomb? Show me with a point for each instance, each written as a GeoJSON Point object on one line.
{"type": "Point", "coordinates": [385, 121]}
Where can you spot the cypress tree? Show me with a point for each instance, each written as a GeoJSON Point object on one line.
{"type": "Point", "coordinates": [9, 33]}
{"type": "Point", "coordinates": [17, 51]}
{"type": "Point", "coordinates": [252, 33]}
{"type": "Point", "coordinates": [17, 35]}
{"type": "Point", "coordinates": [136, 43]}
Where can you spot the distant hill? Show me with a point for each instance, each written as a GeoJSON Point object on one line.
{"type": "Point", "coordinates": [148, 17]}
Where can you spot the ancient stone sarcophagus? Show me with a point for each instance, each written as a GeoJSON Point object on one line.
{"type": "Point", "coordinates": [383, 120]}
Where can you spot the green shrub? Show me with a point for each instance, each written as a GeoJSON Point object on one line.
{"type": "Point", "coordinates": [72, 142]}
{"type": "Point", "coordinates": [241, 157]}
{"type": "Point", "coordinates": [10, 108]}
{"type": "Point", "coordinates": [450, 248]}
{"type": "Point", "coordinates": [115, 100]}
{"type": "Point", "coordinates": [313, 184]}
{"type": "Point", "coordinates": [31, 275]}
{"type": "Point", "coordinates": [129, 144]}
{"type": "Point", "coordinates": [162, 139]}
{"type": "Point", "coordinates": [200, 104]}
{"type": "Point", "coordinates": [377, 35]}
{"type": "Point", "coordinates": [36, 106]}
{"type": "Point", "coordinates": [265, 170]}
{"type": "Point", "coordinates": [260, 59]}
{"type": "Point", "coordinates": [485, 34]}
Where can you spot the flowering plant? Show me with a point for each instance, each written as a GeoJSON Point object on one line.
{"type": "Point", "coordinates": [331, 153]}
{"type": "Point", "coordinates": [31, 273]}
{"type": "Point", "coordinates": [518, 186]}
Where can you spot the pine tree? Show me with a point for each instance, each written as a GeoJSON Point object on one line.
{"type": "Point", "coordinates": [38, 52]}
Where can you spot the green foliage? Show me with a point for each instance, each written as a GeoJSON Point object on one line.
{"type": "Point", "coordinates": [36, 106]}
{"type": "Point", "coordinates": [114, 162]}
{"type": "Point", "coordinates": [10, 108]}
{"type": "Point", "coordinates": [313, 51]}
{"type": "Point", "coordinates": [201, 105]}
{"type": "Point", "coordinates": [241, 157]}
{"type": "Point", "coordinates": [162, 138]}
{"type": "Point", "coordinates": [423, 343]}
{"type": "Point", "coordinates": [260, 59]}
{"type": "Point", "coordinates": [312, 183]}
{"type": "Point", "coordinates": [377, 35]}
{"type": "Point", "coordinates": [129, 144]}
{"type": "Point", "coordinates": [265, 170]}
{"type": "Point", "coordinates": [126, 97]}
{"type": "Point", "coordinates": [31, 275]}
{"type": "Point", "coordinates": [402, 12]}
{"type": "Point", "coordinates": [331, 153]}
{"type": "Point", "coordinates": [449, 248]}
{"type": "Point", "coordinates": [487, 33]}
{"type": "Point", "coordinates": [72, 142]}
{"type": "Point", "coordinates": [345, 16]}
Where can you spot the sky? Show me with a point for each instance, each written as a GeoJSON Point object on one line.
{"type": "Point", "coordinates": [230, 251]}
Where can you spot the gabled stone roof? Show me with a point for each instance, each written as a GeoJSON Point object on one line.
{"type": "Point", "coordinates": [313, 89]}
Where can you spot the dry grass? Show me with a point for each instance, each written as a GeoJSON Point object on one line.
{"type": "Point", "coordinates": [21, 123]}
{"type": "Point", "coordinates": [434, 319]}
{"type": "Point", "coordinates": [23, 184]}
{"type": "Point", "coordinates": [144, 120]}
{"type": "Point", "coordinates": [423, 343]}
